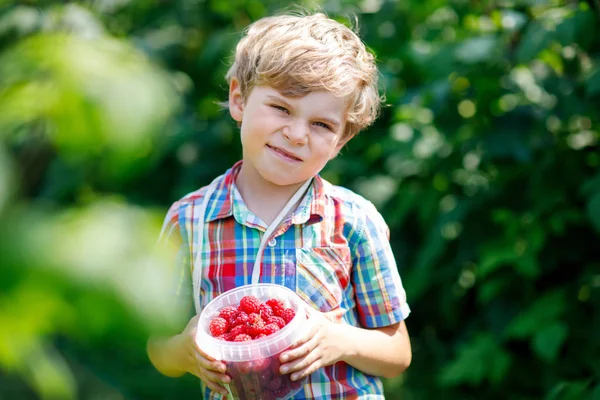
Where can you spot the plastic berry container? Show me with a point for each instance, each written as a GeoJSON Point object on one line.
{"type": "Point", "coordinates": [254, 365]}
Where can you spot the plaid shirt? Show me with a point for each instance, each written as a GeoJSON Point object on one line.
{"type": "Point", "coordinates": [333, 250]}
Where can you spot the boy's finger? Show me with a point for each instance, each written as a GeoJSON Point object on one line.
{"type": "Point", "coordinates": [216, 377]}
{"type": "Point", "coordinates": [300, 351]}
{"type": "Point", "coordinates": [215, 387]}
{"type": "Point", "coordinates": [210, 365]}
{"type": "Point", "coordinates": [210, 380]}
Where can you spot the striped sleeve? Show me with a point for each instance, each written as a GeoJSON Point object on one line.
{"type": "Point", "coordinates": [380, 296]}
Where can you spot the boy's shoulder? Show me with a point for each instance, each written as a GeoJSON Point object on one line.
{"type": "Point", "coordinates": [350, 202]}
{"type": "Point", "coordinates": [185, 205]}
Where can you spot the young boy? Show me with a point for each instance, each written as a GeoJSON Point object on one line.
{"type": "Point", "coordinates": [300, 88]}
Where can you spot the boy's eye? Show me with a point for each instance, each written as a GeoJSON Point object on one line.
{"type": "Point", "coordinates": [323, 125]}
{"type": "Point", "coordinates": [280, 108]}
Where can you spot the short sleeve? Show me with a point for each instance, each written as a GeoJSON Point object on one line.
{"type": "Point", "coordinates": [380, 296]}
{"type": "Point", "coordinates": [174, 236]}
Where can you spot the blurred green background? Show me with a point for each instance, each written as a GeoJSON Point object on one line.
{"type": "Point", "coordinates": [485, 163]}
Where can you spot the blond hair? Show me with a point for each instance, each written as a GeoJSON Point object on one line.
{"type": "Point", "coordinates": [298, 54]}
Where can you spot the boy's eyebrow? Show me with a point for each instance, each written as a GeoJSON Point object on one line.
{"type": "Point", "coordinates": [332, 122]}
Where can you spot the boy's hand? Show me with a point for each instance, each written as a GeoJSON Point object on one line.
{"type": "Point", "coordinates": [324, 344]}
{"type": "Point", "coordinates": [183, 354]}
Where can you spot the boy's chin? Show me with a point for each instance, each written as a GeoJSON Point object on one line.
{"type": "Point", "coordinates": [283, 181]}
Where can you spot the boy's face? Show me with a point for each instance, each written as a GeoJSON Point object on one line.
{"type": "Point", "coordinates": [287, 140]}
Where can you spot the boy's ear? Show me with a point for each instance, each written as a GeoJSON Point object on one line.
{"type": "Point", "coordinates": [236, 100]}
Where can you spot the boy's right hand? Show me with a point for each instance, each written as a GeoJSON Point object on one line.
{"type": "Point", "coordinates": [183, 354]}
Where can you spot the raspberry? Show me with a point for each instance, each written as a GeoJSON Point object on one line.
{"type": "Point", "coordinates": [236, 330]}
{"type": "Point", "coordinates": [242, 338]}
{"type": "Point", "coordinates": [271, 328]}
{"type": "Point", "coordinates": [276, 320]}
{"type": "Point", "coordinates": [229, 313]}
{"type": "Point", "coordinates": [255, 325]}
{"type": "Point", "coordinates": [276, 305]}
{"type": "Point", "coordinates": [218, 326]}
{"type": "Point", "coordinates": [288, 315]}
{"type": "Point", "coordinates": [262, 335]}
{"type": "Point", "coordinates": [261, 364]}
{"type": "Point", "coordinates": [265, 311]}
{"type": "Point", "coordinates": [275, 383]}
{"type": "Point", "coordinates": [254, 318]}
{"type": "Point", "coordinates": [222, 337]}
{"type": "Point", "coordinates": [244, 367]}
{"type": "Point", "coordinates": [249, 304]}
{"type": "Point", "coordinates": [241, 319]}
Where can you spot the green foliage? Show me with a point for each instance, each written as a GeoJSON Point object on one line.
{"type": "Point", "coordinates": [485, 163]}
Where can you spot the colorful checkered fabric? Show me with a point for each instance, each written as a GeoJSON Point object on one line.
{"type": "Point", "coordinates": [333, 250]}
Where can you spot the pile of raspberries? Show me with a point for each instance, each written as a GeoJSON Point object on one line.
{"type": "Point", "coordinates": [250, 320]}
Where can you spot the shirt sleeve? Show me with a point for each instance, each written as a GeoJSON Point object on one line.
{"type": "Point", "coordinates": [380, 296]}
{"type": "Point", "coordinates": [174, 238]}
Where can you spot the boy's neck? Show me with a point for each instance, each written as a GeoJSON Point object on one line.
{"type": "Point", "coordinates": [262, 197]}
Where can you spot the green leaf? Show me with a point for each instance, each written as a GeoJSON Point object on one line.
{"type": "Point", "coordinates": [548, 341]}
{"type": "Point", "coordinates": [535, 39]}
{"type": "Point", "coordinates": [592, 83]}
{"type": "Point", "coordinates": [528, 266]}
{"type": "Point", "coordinates": [593, 210]}
{"type": "Point", "coordinates": [572, 391]}
{"type": "Point", "coordinates": [496, 255]}
{"type": "Point", "coordinates": [490, 289]}
{"type": "Point", "coordinates": [543, 312]}
{"type": "Point", "coordinates": [482, 359]}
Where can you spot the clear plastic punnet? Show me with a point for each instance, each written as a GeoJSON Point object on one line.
{"type": "Point", "coordinates": [254, 365]}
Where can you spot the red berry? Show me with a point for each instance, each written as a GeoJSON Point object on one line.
{"type": "Point", "coordinates": [241, 319]}
{"type": "Point", "coordinates": [236, 330]}
{"type": "Point", "coordinates": [242, 338]}
{"type": "Point", "coordinates": [276, 305]}
{"type": "Point", "coordinates": [265, 311]}
{"type": "Point", "coordinates": [275, 383]}
{"type": "Point", "coordinates": [262, 335]}
{"type": "Point", "coordinates": [261, 364]}
{"type": "Point", "coordinates": [271, 328]}
{"type": "Point", "coordinates": [218, 326]}
{"type": "Point", "coordinates": [250, 304]}
{"type": "Point", "coordinates": [229, 313]}
{"type": "Point", "coordinates": [288, 315]}
{"type": "Point", "coordinates": [255, 325]}
{"type": "Point", "coordinates": [254, 318]}
{"type": "Point", "coordinates": [276, 320]}
{"type": "Point", "coordinates": [222, 337]}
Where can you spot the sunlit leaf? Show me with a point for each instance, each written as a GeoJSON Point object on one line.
{"type": "Point", "coordinates": [477, 50]}
{"type": "Point", "coordinates": [99, 97]}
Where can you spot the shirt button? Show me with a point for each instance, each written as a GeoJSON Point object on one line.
{"type": "Point", "coordinates": [272, 242]}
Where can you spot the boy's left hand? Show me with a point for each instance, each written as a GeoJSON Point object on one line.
{"type": "Point", "coordinates": [323, 344]}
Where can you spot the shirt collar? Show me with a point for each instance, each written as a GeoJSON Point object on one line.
{"type": "Point", "coordinates": [310, 210]}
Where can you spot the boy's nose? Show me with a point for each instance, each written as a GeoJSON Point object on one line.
{"type": "Point", "coordinates": [297, 133]}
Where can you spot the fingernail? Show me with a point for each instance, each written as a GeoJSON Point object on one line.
{"type": "Point", "coordinates": [284, 370]}
{"type": "Point", "coordinates": [284, 358]}
{"type": "Point", "coordinates": [294, 377]}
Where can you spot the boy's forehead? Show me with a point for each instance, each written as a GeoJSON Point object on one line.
{"type": "Point", "coordinates": [308, 96]}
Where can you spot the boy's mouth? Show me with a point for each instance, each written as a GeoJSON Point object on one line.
{"type": "Point", "coordinates": [284, 153]}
